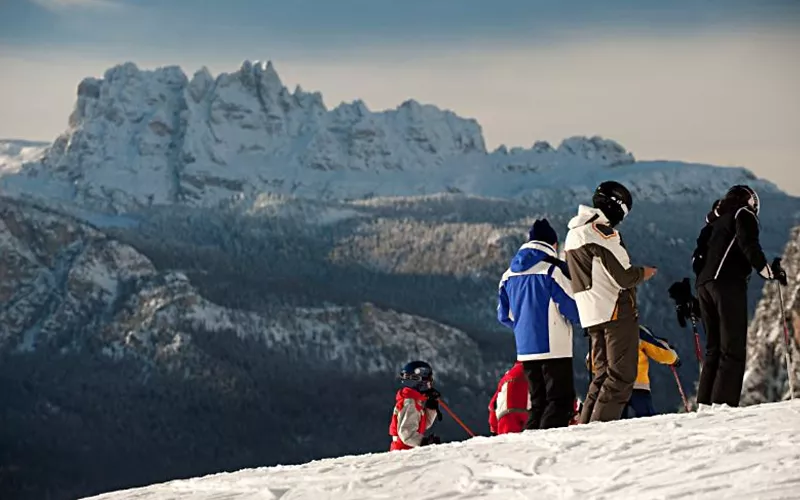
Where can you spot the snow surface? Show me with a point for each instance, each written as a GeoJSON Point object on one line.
{"type": "Point", "coordinates": [742, 453]}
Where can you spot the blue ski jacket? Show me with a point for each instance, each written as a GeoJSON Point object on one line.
{"type": "Point", "coordinates": [535, 299]}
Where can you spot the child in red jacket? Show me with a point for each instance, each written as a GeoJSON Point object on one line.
{"type": "Point", "coordinates": [416, 408]}
{"type": "Point", "coordinates": [510, 405]}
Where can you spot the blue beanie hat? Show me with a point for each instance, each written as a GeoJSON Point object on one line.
{"type": "Point", "coordinates": [542, 231]}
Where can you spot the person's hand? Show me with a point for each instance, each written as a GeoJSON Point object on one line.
{"type": "Point", "coordinates": [432, 403]}
{"type": "Point", "coordinates": [649, 272]}
{"type": "Point", "coordinates": [778, 272]}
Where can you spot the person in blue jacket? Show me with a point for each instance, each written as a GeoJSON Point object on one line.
{"type": "Point", "coordinates": [535, 300]}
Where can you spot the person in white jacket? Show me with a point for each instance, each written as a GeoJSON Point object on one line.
{"type": "Point", "coordinates": [604, 284]}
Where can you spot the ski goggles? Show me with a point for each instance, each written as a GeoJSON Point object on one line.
{"type": "Point", "coordinates": [621, 204]}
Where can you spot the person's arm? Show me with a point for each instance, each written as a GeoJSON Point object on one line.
{"type": "Point", "coordinates": [615, 259]}
{"type": "Point", "coordinates": [409, 424]}
{"type": "Point", "coordinates": [657, 350]}
{"type": "Point", "coordinates": [747, 233]}
{"type": "Point", "coordinates": [504, 314]}
{"type": "Point", "coordinates": [561, 291]}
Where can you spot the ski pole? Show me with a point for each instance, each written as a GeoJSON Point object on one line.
{"type": "Point", "coordinates": [680, 389]}
{"type": "Point", "coordinates": [787, 354]}
{"type": "Point", "coordinates": [697, 351]}
{"type": "Point", "coordinates": [455, 417]}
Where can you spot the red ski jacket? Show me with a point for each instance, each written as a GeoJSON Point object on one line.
{"type": "Point", "coordinates": [508, 408]}
{"type": "Point", "coordinates": [410, 419]}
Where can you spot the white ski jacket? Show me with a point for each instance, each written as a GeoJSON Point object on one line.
{"type": "Point", "coordinates": [603, 279]}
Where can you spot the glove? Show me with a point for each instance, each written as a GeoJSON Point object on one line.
{"type": "Point", "coordinates": [685, 303]}
{"type": "Point", "coordinates": [432, 403]}
{"type": "Point", "coordinates": [432, 439]}
{"type": "Point", "coordinates": [688, 311]}
{"type": "Point", "coordinates": [778, 273]}
{"type": "Point", "coordinates": [677, 363]}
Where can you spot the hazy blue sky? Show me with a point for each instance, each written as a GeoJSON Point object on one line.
{"type": "Point", "coordinates": [713, 81]}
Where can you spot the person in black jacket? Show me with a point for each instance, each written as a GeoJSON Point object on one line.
{"type": "Point", "coordinates": [727, 249]}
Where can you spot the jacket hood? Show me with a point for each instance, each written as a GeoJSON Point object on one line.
{"type": "Point", "coordinates": [530, 254]}
{"type": "Point", "coordinates": [586, 214]}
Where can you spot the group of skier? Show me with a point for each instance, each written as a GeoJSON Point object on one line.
{"type": "Point", "coordinates": [541, 297]}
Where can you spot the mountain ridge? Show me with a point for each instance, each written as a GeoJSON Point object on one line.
{"type": "Point", "coordinates": [143, 137]}
{"type": "Point", "coordinates": [233, 258]}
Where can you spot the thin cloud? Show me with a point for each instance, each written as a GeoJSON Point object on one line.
{"type": "Point", "coordinates": [62, 5]}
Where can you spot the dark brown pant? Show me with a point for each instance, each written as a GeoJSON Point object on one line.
{"type": "Point", "coordinates": [615, 355]}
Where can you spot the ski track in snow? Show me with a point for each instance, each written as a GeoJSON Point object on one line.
{"type": "Point", "coordinates": [744, 453]}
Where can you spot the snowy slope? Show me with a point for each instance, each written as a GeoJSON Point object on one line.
{"type": "Point", "coordinates": [721, 453]}
{"type": "Point", "coordinates": [140, 137]}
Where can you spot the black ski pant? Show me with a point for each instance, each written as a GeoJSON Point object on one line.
{"type": "Point", "coordinates": [552, 389]}
{"type": "Point", "coordinates": [723, 306]}
{"type": "Point", "coordinates": [615, 360]}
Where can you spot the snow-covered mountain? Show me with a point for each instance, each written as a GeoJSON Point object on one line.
{"type": "Point", "coordinates": [68, 285]}
{"type": "Point", "coordinates": [138, 138]}
{"type": "Point", "coordinates": [766, 379]}
{"type": "Point", "coordinates": [95, 336]}
{"type": "Point", "coordinates": [220, 257]}
{"type": "Point", "coordinates": [720, 453]}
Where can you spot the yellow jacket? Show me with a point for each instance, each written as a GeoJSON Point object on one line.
{"type": "Point", "coordinates": [650, 347]}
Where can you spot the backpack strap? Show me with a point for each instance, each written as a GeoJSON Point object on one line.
{"type": "Point", "coordinates": [555, 262]}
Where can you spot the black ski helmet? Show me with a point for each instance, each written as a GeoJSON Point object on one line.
{"type": "Point", "coordinates": [417, 375]}
{"type": "Point", "coordinates": [741, 195]}
{"type": "Point", "coordinates": [614, 200]}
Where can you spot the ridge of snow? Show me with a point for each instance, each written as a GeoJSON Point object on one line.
{"type": "Point", "coordinates": [735, 453]}
{"type": "Point", "coordinates": [142, 137]}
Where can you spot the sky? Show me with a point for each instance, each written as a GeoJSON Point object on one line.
{"type": "Point", "coordinates": [710, 81]}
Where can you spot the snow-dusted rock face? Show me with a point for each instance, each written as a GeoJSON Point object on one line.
{"type": "Point", "coordinates": [97, 337]}
{"type": "Point", "coordinates": [766, 378]}
{"type": "Point", "coordinates": [140, 137]}
{"type": "Point", "coordinates": [66, 284]}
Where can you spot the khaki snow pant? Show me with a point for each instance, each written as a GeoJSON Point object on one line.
{"type": "Point", "coordinates": [615, 356]}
